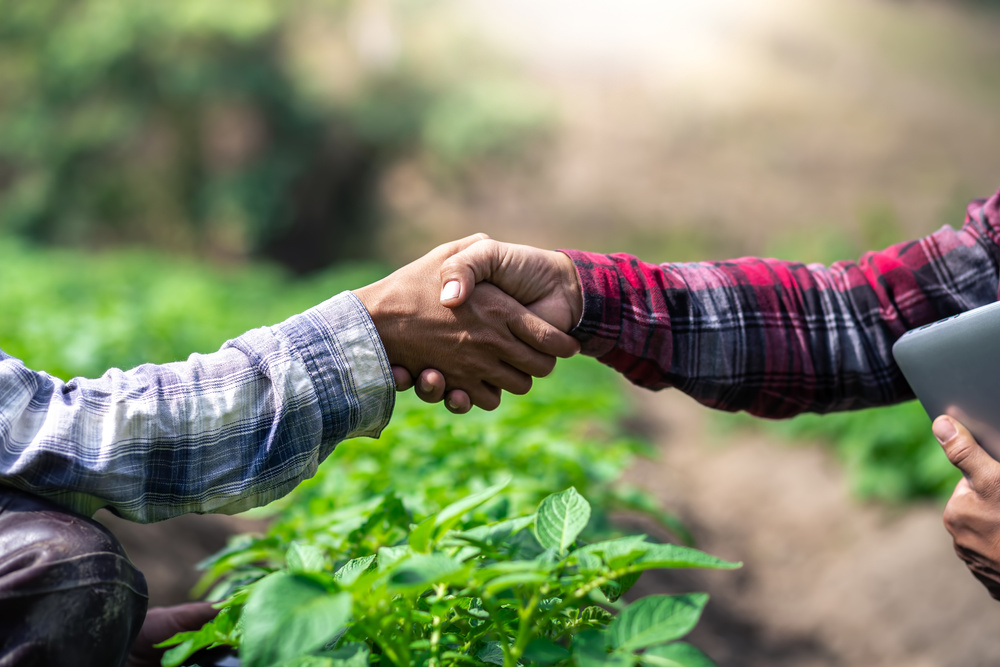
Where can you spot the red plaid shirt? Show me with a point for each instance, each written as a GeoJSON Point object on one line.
{"type": "Point", "coordinates": [776, 338]}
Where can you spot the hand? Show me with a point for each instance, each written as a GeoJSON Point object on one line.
{"type": "Point", "coordinates": [545, 281]}
{"type": "Point", "coordinates": [972, 515]}
{"type": "Point", "coordinates": [488, 344]}
{"type": "Point", "coordinates": [161, 624]}
{"type": "Point", "coordinates": [431, 388]}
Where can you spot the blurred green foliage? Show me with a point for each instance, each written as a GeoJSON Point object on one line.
{"type": "Point", "coordinates": [72, 313]}
{"type": "Point", "coordinates": [234, 129]}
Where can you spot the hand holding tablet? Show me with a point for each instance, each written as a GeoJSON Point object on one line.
{"type": "Point", "coordinates": [953, 367]}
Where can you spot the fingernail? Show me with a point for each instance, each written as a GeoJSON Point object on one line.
{"type": "Point", "coordinates": [943, 429]}
{"type": "Point", "coordinates": [452, 405]}
{"type": "Point", "coordinates": [451, 290]}
{"type": "Point", "coordinates": [425, 385]}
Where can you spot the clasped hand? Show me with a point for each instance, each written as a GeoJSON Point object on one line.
{"type": "Point", "coordinates": [470, 342]}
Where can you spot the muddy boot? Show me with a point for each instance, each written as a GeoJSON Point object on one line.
{"type": "Point", "coordinates": [69, 596]}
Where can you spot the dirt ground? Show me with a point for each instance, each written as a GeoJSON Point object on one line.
{"type": "Point", "coordinates": [692, 129]}
{"type": "Point", "coordinates": [826, 581]}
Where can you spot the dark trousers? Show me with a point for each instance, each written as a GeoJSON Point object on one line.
{"type": "Point", "coordinates": [69, 596]}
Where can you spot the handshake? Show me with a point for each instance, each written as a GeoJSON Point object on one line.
{"type": "Point", "coordinates": [465, 342]}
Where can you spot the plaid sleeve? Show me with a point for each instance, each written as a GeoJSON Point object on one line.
{"type": "Point", "coordinates": [220, 432]}
{"type": "Point", "coordinates": [776, 338]}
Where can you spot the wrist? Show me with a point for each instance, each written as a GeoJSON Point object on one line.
{"type": "Point", "coordinates": [374, 300]}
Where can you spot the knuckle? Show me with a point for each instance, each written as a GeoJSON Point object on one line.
{"type": "Point", "coordinates": [954, 519]}
{"type": "Point", "coordinates": [987, 485]}
{"type": "Point", "coordinates": [959, 451]}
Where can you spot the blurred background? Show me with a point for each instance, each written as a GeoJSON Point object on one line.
{"type": "Point", "coordinates": [172, 174]}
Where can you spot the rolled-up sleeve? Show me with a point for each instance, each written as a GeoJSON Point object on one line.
{"type": "Point", "coordinates": [221, 432]}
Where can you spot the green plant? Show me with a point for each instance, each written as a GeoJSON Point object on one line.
{"type": "Point", "coordinates": [451, 590]}
{"type": "Point", "coordinates": [457, 549]}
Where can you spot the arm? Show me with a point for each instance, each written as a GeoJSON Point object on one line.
{"type": "Point", "coordinates": [238, 428]}
{"type": "Point", "coordinates": [771, 337]}
{"type": "Point", "coordinates": [220, 432]}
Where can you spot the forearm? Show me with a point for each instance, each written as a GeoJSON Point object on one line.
{"type": "Point", "coordinates": [220, 432]}
{"type": "Point", "coordinates": [776, 338]}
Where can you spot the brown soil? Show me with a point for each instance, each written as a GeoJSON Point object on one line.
{"type": "Point", "coordinates": [826, 580]}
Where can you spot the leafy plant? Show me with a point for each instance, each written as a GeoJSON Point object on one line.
{"type": "Point", "coordinates": [451, 590]}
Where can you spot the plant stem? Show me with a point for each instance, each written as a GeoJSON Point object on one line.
{"type": "Point", "coordinates": [524, 626]}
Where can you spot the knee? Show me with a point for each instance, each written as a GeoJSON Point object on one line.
{"type": "Point", "coordinates": [64, 581]}
{"type": "Point", "coordinates": [44, 536]}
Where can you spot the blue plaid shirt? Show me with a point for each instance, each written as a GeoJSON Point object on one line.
{"type": "Point", "coordinates": [220, 432]}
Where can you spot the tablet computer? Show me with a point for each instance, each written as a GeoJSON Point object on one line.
{"type": "Point", "coordinates": [953, 366]}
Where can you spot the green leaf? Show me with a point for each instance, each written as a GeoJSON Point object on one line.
{"type": "Point", "coordinates": [354, 654]}
{"type": "Point", "coordinates": [655, 620]}
{"type": "Point", "coordinates": [532, 578]}
{"type": "Point", "coordinates": [542, 651]}
{"type": "Point", "coordinates": [595, 616]}
{"type": "Point", "coordinates": [187, 644]}
{"type": "Point", "coordinates": [305, 558]}
{"type": "Point", "coordinates": [560, 519]}
{"type": "Point", "coordinates": [590, 649]}
{"type": "Point", "coordinates": [678, 654]}
{"type": "Point", "coordinates": [352, 569]}
{"type": "Point", "coordinates": [422, 570]}
{"type": "Point", "coordinates": [450, 515]}
{"type": "Point", "coordinates": [308, 661]}
{"type": "Point", "coordinates": [420, 536]}
{"type": "Point", "coordinates": [389, 556]}
{"type": "Point", "coordinates": [288, 615]}
{"type": "Point", "coordinates": [216, 632]}
{"type": "Point", "coordinates": [610, 551]}
{"type": "Point", "coordinates": [675, 556]}
{"type": "Point", "coordinates": [493, 534]}
{"type": "Point", "coordinates": [491, 653]}
{"type": "Point", "coordinates": [614, 589]}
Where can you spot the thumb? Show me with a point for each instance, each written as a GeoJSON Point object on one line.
{"type": "Point", "coordinates": [961, 448]}
{"type": "Point", "coordinates": [460, 272]}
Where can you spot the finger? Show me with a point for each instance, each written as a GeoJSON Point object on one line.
{"type": "Point", "coordinates": [461, 271]}
{"type": "Point", "coordinates": [484, 396]}
{"type": "Point", "coordinates": [458, 402]}
{"type": "Point", "coordinates": [453, 247]}
{"type": "Point", "coordinates": [430, 386]}
{"type": "Point", "coordinates": [503, 376]}
{"type": "Point", "coordinates": [982, 471]}
{"type": "Point", "coordinates": [182, 617]}
{"type": "Point", "coordinates": [542, 336]}
{"type": "Point", "coordinates": [402, 378]}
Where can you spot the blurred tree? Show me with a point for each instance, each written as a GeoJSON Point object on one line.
{"type": "Point", "coordinates": [261, 127]}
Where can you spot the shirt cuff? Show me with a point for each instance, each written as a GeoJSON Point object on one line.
{"type": "Point", "coordinates": [347, 364]}
{"type": "Point", "coordinates": [600, 325]}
